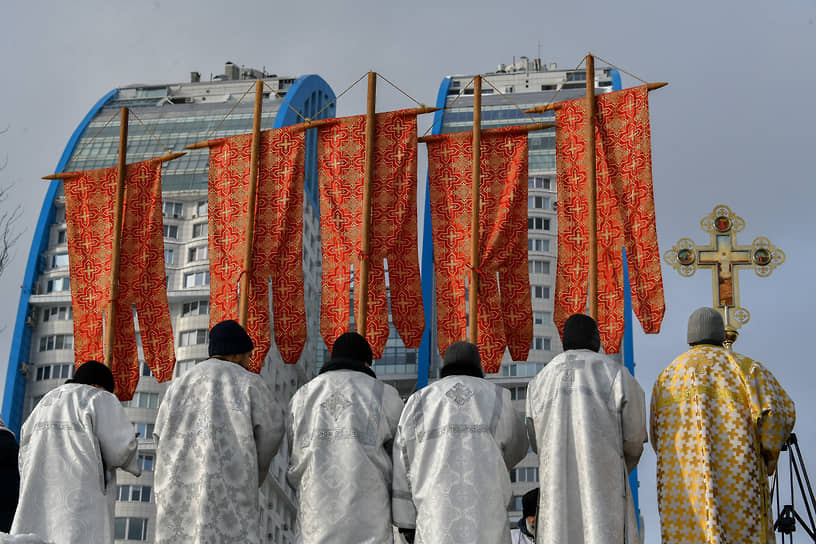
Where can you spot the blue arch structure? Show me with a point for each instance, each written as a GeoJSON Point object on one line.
{"type": "Point", "coordinates": [308, 95]}
{"type": "Point", "coordinates": [14, 391]}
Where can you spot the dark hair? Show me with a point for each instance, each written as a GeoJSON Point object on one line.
{"type": "Point", "coordinates": [94, 373]}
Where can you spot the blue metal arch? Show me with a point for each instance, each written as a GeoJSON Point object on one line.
{"type": "Point", "coordinates": [15, 385]}
{"type": "Point", "coordinates": [426, 265]}
{"type": "Point", "coordinates": [308, 96]}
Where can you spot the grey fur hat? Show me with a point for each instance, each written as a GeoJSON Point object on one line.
{"type": "Point", "coordinates": [705, 326]}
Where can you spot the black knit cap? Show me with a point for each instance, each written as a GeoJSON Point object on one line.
{"type": "Point", "coordinates": [351, 346]}
{"type": "Point", "coordinates": [94, 373]}
{"type": "Point", "coordinates": [462, 358]}
{"type": "Point", "coordinates": [529, 503]}
{"type": "Point", "coordinates": [581, 332]}
{"type": "Point", "coordinates": [229, 338]}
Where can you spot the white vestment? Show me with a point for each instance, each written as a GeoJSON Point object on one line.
{"type": "Point", "coordinates": [216, 433]}
{"type": "Point", "coordinates": [456, 441]}
{"type": "Point", "coordinates": [341, 426]}
{"type": "Point", "coordinates": [588, 426]}
{"type": "Point", "coordinates": [73, 437]}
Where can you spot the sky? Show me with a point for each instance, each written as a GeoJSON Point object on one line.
{"type": "Point", "coordinates": [729, 128]}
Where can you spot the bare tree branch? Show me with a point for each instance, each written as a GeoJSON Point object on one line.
{"type": "Point", "coordinates": [8, 221]}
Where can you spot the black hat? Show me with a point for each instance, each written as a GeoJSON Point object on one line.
{"type": "Point", "coordinates": [581, 332]}
{"type": "Point", "coordinates": [94, 373]}
{"type": "Point", "coordinates": [529, 503]}
{"type": "Point", "coordinates": [462, 358]}
{"type": "Point", "coordinates": [229, 338]}
{"type": "Point", "coordinates": [351, 346]}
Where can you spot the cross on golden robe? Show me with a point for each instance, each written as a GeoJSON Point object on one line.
{"type": "Point", "coordinates": [725, 257]}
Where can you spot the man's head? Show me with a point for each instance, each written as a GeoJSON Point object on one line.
{"type": "Point", "coordinates": [230, 342]}
{"type": "Point", "coordinates": [462, 358]}
{"type": "Point", "coordinates": [705, 326]}
{"type": "Point", "coordinates": [581, 332]}
{"type": "Point", "coordinates": [529, 505]}
{"type": "Point", "coordinates": [94, 373]}
{"type": "Point", "coordinates": [352, 347]}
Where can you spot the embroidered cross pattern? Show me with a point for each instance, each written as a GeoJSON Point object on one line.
{"type": "Point", "coordinates": [459, 393]}
{"type": "Point", "coordinates": [335, 404]}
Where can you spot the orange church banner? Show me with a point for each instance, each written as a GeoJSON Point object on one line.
{"type": "Point", "coordinates": [277, 245]}
{"type": "Point", "coordinates": [90, 198]}
{"type": "Point", "coordinates": [505, 310]}
{"type": "Point", "coordinates": [341, 163]}
{"type": "Point", "coordinates": [626, 213]}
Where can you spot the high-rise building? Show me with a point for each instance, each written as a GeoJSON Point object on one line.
{"type": "Point", "coordinates": [524, 84]}
{"type": "Point", "coordinates": [176, 115]}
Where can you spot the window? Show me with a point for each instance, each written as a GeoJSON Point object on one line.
{"type": "Point", "coordinates": [56, 341]}
{"type": "Point", "coordinates": [192, 338]}
{"type": "Point", "coordinates": [542, 318]}
{"type": "Point", "coordinates": [199, 230]}
{"type": "Point", "coordinates": [59, 259]}
{"type": "Point", "coordinates": [524, 474]}
{"type": "Point", "coordinates": [541, 343]}
{"type": "Point", "coordinates": [538, 182]}
{"type": "Point", "coordinates": [171, 232]}
{"type": "Point", "coordinates": [201, 208]}
{"type": "Point", "coordinates": [538, 244]}
{"type": "Point", "coordinates": [142, 400]}
{"type": "Point", "coordinates": [169, 257]}
{"type": "Point", "coordinates": [58, 284]}
{"type": "Point", "coordinates": [62, 236]}
{"type": "Point", "coordinates": [197, 254]}
{"type": "Point", "coordinates": [185, 365]}
{"type": "Point", "coordinates": [541, 291]}
{"type": "Point", "coordinates": [146, 369]}
{"type": "Point", "coordinates": [134, 493]}
{"type": "Point", "coordinates": [539, 267]}
{"type": "Point", "coordinates": [518, 393]}
{"type": "Point", "coordinates": [172, 209]}
{"type": "Point", "coordinates": [55, 372]}
{"type": "Point", "coordinates": [197, 307]}
{"type": "Point", "coordinates": [58, 312]}
{"type": "Point", "coordinates": [197, 279]}
{"type": "Point", "coordinates": [538, 202]}
{"type": "Point", "coordinates": [130, 529]}
{"type": "Point", "coordinates": [144, 430]}
{"type": "Point", "coordinates": [146, 462]}
{"type": "Point", "coordinates": [538, 223]}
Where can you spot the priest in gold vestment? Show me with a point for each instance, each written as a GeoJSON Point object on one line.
{"type": "Point", "coordinates": [718, 422]}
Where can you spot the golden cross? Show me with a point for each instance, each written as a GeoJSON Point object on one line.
{"type": "Point", "coordinates": [725, 257]}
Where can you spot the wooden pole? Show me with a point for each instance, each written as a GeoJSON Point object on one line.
{"type": "Point", "coordinates": [362, 319]}
{"type": "Point", "coordinates": [243, 306]}
{"type": "Point", "coordinates": [558, 105]}
{"type": "Point", "coordinates": [589, 127]}
{"type": "Point", "coordinates": [473, 294]}
{"type": "Point", "coordinates": [520, 128]}
{"type": "Point", "coordinates": [110, 318]}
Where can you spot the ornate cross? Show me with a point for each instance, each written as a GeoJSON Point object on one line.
{"type": "Point", "coordinates": [725, 257]}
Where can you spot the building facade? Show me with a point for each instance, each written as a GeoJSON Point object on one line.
{"type": "Point", "coordinates": [176, 115]}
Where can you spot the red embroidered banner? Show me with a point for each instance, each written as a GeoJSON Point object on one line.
{"type": "Point", "coordinates": [626, 214]}
{"type": "Point", "coordinates": [277, 245]}
{"type": "Point", "coordinates": [341, 164]}
{"type": "Point", "coordinates": [89, 202]}
{"type": "Point", "coordinates": [505, 309]}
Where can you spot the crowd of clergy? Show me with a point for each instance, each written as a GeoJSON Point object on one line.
{"type": "Point", "coordinates": [435, 467]}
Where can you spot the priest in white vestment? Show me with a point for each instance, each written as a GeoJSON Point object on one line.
{"type": "Point", "coordinates": [341, 427]}
{"type": "Point", "coordinates": [217, 430]}
{"type": "Point", "coordinates": [586, 416]}
{"type": "Point", "coordinates": [457, 439]}
{"type": "Point", "coordinates": [69, 447]}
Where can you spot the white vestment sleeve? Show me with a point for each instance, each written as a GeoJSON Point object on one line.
{"type": "Point", "coordinates": [633, 419]}
{"type": "Point", "coordinates": [117, 440]}
{"type": "Point", "coordinates": [531, 434]}
{"type": "Point", "coordinates": [403, 510]}
{"type": "Point", "coordinates": [511, 432]}
{"type": "Point", "coordinates": [267, 426]}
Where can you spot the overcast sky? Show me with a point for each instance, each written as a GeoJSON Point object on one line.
{"type": "Point", "coordinates": [735, 125]}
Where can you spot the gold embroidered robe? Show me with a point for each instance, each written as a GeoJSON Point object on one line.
{"type": "Point", "coordinates": [718, 422]}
